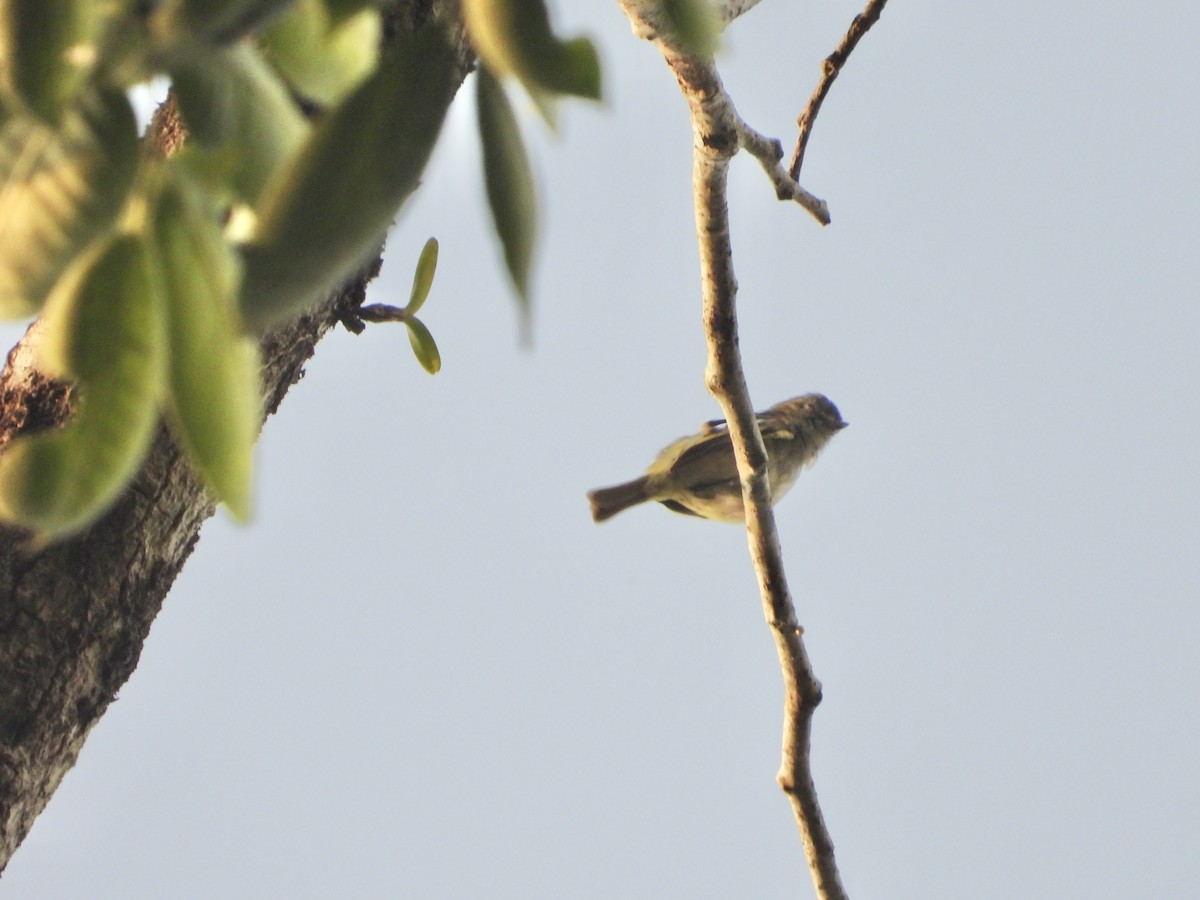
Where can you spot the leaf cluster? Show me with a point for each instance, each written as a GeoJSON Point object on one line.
{"type": "Point", "coordinates": [155, 275]}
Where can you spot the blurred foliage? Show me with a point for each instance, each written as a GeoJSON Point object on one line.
{"type": "Point", "coordinates": [155, 276]}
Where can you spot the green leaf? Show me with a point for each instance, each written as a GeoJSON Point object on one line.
{"type": "Point", "coordinates": [108, 325]}
{"type": "Point", "coordinates": [59, 190]}
{"type": "Point", "coordinates": [509, 181]}
{"type": "Point", "coordinates": [323, 59]}
{"type": "Point", "coordinates": [330, 209]}
{"type": "Point", "coordinates": [423, 346]}
{"type": "Point", "coordinates": [423, 276]}
{"type": "Point", "coordinates": [513, 37]}
{"type": "Point", "coordinates": [341, 10]}
{"type": "Point", "coordinates": [696, 25]}
{"type": "Point", "coordinates": [47, 51]}
{"type": "Point", "coordinates": [217, 21]}
{"type": "Point", "coordinates": [235, 105]}
{"type": "Point", "coordinates": [213, 376]}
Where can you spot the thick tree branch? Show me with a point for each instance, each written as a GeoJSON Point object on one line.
{"type": "Point", "coordinates": [74, 616]}
{"type": "Point", "coordinates": [718, 132]}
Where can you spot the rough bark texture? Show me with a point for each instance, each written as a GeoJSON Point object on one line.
{"type": "Point", "coordinates": [74, 616]}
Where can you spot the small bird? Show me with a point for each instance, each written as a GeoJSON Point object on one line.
{"type": "Point", "coordinates": [697, 475]}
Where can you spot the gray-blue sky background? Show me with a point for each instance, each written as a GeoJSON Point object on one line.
{"type": "Point", "coordinates": [424, 672]}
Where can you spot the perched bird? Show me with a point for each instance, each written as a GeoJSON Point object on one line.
{"type": "Point", "coordinates": [697, 475]}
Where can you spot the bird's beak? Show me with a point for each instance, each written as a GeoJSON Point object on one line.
{"type": "Point", "coordinates": [841, 425]}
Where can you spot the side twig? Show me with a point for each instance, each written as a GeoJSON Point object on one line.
{"type": "Point", "coordinates": [645, 16]}
{"type": "Point", "coordinates": [718, 133]}
{"type": "Point", "coordinates": [769, 153]}
{"type": "Point", "coordinates": [830, 69]}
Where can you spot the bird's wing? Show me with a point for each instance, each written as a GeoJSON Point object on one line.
{"type": "Point", "coordinates": [707, 460]}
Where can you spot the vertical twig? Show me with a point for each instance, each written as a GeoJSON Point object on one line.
{"type": "Point", "coordinates": [718, 132]}
{"type": "Point", "coordinates": [716, 139]}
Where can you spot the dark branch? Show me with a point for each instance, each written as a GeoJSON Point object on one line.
{"type": "Point", "coordinates": [830, 69]}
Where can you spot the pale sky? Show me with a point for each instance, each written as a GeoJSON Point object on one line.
{"type": "Point", "coordinates": [424, 672]}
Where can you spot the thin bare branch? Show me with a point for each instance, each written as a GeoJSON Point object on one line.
{"type": "Point", "coordinates": [830, 69]}
{"type": "Point", "coordinates": [382, 312]}
{"type": "Point", "coordinates": [769, 153]}
{"type": "Point", "coordinates": [718, 133]}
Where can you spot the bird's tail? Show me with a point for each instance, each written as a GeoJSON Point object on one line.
{"type": "Point", "coordinates": [607, 502]}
